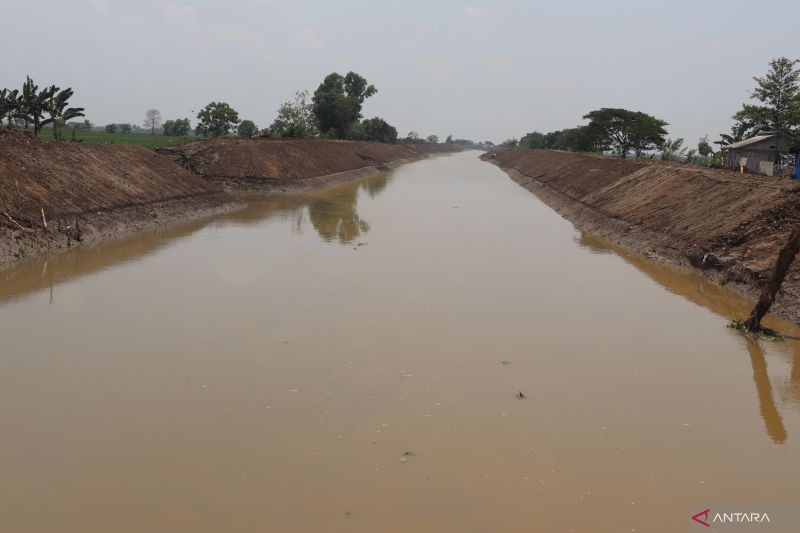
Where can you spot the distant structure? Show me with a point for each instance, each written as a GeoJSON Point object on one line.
{"type": "Point", "coordinates": [767, 153]}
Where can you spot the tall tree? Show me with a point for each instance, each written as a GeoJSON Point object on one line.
{"type": "Point", "coordinates": [152, 120]}
{"type": "Point", "coordinates": [779, 94]}
{"type": "Point", "coordinates": [216, 119]}
{"type": "Point", "coordinates": [337, 103]}
{"type": "Point", "coordinates": [626, 131]}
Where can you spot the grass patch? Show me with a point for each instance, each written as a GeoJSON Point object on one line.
{"type": "Point", "coordinates": [139, 138]}
{"type": "Point", "coordinates": [765, 333]}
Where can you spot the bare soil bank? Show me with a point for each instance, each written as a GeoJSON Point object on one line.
{"type": "Point", "coordinates": [727, 226]}
{"type": "Point", "coordinates": [95, 192]}
{"type": "Point", "coordinates": [293, 165]}
{"type": "Point", "coordinates": [90, 192]}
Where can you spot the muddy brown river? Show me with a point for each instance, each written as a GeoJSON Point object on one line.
{"type": "Point", "coordinates": [352, 360]}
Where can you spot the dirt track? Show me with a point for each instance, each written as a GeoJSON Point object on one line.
{"type": "Point", "coordinates": [726, 225]}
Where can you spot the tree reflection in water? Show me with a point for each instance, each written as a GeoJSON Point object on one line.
{"type": "Point", "coordinates": [724, 303]}
{"type": "Point", "coordinates": [334, 215]}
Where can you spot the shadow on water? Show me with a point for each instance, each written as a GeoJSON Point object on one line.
{"type": "Point", "coordinates": [332, 213]}
{"type": "Point", "coordinates": [729, 305]}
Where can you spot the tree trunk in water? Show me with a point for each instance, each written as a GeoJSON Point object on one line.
{"type": "Point", "coordinates": [782, 265]}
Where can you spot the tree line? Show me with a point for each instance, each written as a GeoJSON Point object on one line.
{"type": "Point", "coordinates": [333, 112]}
{"type": "Point", "coordinates": [624, 132]}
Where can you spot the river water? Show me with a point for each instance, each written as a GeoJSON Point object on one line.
{"type": "Point", "coordinates": [352, 360]}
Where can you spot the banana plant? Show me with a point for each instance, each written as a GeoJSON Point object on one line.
{"type": "Point", "coordinates": [8, 105]}
{"type": "Point", "coordinates": [56, 107]}
{"type": "Point", "coordinates": [33, 105]}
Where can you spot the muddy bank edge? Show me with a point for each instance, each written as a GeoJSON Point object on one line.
{"type": "Point", "coordinates": [662, 212]}
{"type": "Point", "coordinates": [55, 196]}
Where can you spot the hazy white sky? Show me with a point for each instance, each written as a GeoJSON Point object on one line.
{"type": "Point", "coordinates": [479, 70]}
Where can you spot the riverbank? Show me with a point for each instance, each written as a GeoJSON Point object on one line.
{"type": "Point", "coordinates": [293, 165]}
{"type": "Point", "coordinates": [727, 226]}
{"type": "Point", "coordinates": [54, 196]}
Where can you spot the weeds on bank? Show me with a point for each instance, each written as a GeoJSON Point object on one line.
{"type": "Point", "coordinates": [765, 333]}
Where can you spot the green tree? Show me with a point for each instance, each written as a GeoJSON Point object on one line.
{"type": "Point", "coordinates": [125, 128]}
{"type": "Point", "coordinates": [580, 139]}
{"type": "Point", "coordinates": [337, 103]}
{"type": "Point", "coordinates": [177, 128]}
{"type": "Point", "coordinates": [625, 131]}
{"type": "Point", "coordinates": [534, 140]}
{"type": "Point", "coordinates": [295, 118]}
{"type": "Point", "coordinates": [449, 139]}
{"type": "Point", "coordinates": [378, 130]}
{"type": "Point", "coordinates": [779, 94]}
{"type": "Point", "coordinates": [433, 139]}
{"type": "Point", "coordinates": [9, 105]}
{"type": "Point", "coordinates": [111, 128]}
{"type": "Point", "coordinates": [216, 119]}
{"type": "Point", "coordinates": [704, 147]}
{"type": "Point", "coordinates": [246, 129]}
{"type": "Point", "coordinates": [169, 127]}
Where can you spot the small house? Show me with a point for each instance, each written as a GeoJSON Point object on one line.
{"type": "Point", "coordinates": [761, 153]}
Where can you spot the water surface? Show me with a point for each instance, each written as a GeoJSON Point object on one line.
{"type": "Point", "coordinates": [351, 360]}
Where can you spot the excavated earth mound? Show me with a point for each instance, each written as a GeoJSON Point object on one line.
{"type": "Point", "coordinates": [90, 191]}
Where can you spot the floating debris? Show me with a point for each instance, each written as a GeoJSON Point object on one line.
{"type": "Point", "coordinates": [520, 395]}
{"type": "Point", "coordinates": [407, 375]}
{"type": "Point", "coordinates": [504, 363]}
{"type": "Point", "coordinates": [763, 332]}
{"type": "Point", "coordinates": [405, 457]}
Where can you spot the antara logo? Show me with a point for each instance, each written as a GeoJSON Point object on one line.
{"type": "Point", "coordinates": [730, 518]}
{"type": "Point", "coordinates": [702, 517]}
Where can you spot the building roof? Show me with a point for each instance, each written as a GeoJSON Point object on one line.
{"type": "Point", "coordinates": [756, 139]}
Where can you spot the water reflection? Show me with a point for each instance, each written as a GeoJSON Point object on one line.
{"type": "Point", "coordinates": [332, 213]}
{"type": "Point", "coordinates": [769, 411]}
{"type": "Point", "coordinates": [336, 218]}
{"type": "Point", "coordinates": [50, 270]}
{"type": "Point", "coordinates": [729, 305]}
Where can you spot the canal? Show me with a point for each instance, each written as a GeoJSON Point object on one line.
{"type": "Point", "coordinates": [432, 349]}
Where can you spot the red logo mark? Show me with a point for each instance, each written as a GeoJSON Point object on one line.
{"type": "Point", "coordinates": [702, 517]}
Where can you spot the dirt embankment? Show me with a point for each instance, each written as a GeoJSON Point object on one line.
{"type": "Point", "coordinates": [90, 192]}
{"type": "Point", "coordinates": [93, 192]}
{"type": "Point", "coordinates": [728, 226]}
{"type": "Point", "coordinates": [293, 165]}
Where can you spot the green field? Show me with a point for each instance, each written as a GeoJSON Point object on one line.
{"type": "Point", "coordinates": [142, 139]}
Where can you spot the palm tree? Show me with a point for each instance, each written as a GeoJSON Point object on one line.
{"type": "Point", "coordinates": [673, 149]}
